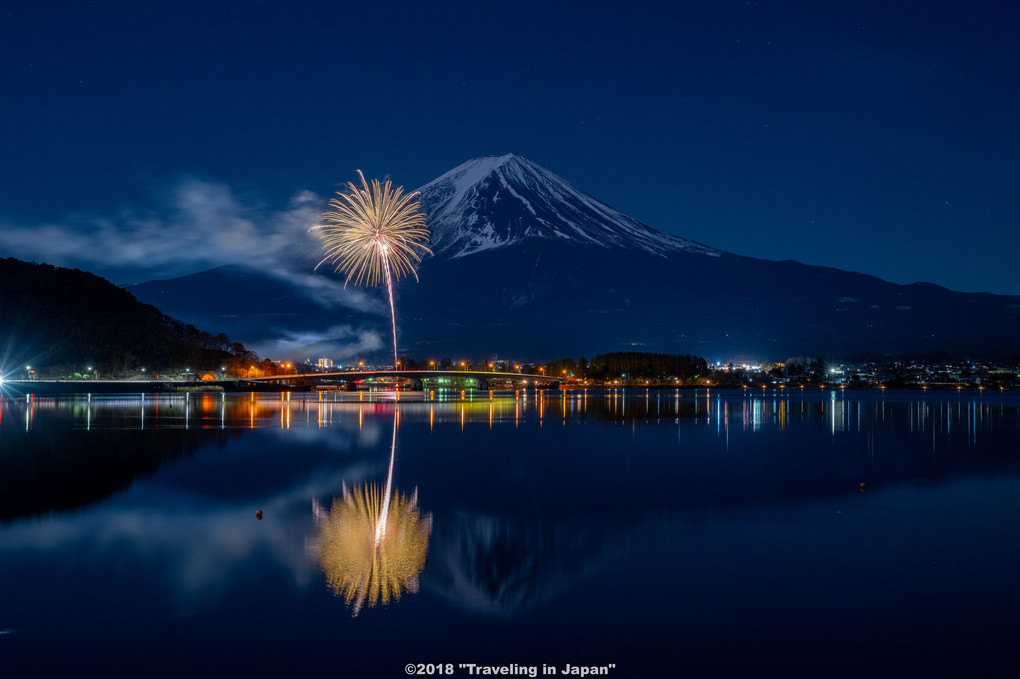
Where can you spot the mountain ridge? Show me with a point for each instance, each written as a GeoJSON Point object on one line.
{"type": "Point", "coordinates": [527, 265]}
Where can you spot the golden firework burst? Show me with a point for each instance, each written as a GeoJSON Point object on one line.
{"type": "Point", "coordinates": [374, 232]}
{"type": "Point", "coordinates": [363, 564]}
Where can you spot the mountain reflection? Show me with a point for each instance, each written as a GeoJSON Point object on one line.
{"type": "Point", "coordinates": [504, 566]}
{"type": "Point", "coordinates": [59, 469]}
{"type": "Point", "coordinates": [366, 565]}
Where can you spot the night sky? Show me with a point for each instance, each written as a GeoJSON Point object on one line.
{"type": "Point", "coordinates": [148, 139]}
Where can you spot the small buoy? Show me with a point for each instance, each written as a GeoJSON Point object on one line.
{"type": "Point", "coordinates": [863, 487]}
{"type": "Point", "coordinates": [258, 515]}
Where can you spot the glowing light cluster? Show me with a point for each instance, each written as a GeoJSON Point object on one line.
{"type": "Point", "coordinates": [366, 565]}
{"type": "Point", "coordinates": [372, 228]}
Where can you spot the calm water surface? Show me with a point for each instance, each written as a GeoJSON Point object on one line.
{"type": "Point", "coordinates": [654, 533]}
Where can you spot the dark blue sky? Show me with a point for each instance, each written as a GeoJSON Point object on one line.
{"type": "Point", "coordinates": [875, 139]}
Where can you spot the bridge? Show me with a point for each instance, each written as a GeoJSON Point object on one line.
{"type": "Point", "coordinates": [416, 379]}
{"type": "Point", "coordinates": [412, 380]}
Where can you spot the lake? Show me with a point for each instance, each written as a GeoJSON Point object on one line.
{"type": "Point", "coordinates": [629, 533]}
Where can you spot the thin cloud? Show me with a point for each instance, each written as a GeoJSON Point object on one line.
{"type": "Point", "coordinates": [198, 225]}
{"type": "Point", "coordinates": [331, 292]}
{"type": "Point", "coordinates": [339, 342]}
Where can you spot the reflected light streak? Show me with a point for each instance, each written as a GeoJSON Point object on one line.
{"type": "Point", "coordinates": [380, 526]}
{"type": "Point", "coordinates": [372, 546]}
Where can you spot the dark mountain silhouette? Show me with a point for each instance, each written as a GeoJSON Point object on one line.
{"type": "Point", "coordinates": [62, 321]}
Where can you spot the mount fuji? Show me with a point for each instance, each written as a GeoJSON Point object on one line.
{"type": "Point", "coordinates": [526, 265]}
{"type": "Point", "coordinates": [500, 201]}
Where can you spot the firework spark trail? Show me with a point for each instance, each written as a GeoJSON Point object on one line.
{"type": "Point", "coordinates": [393, 308]}
{"type": "Point", "coordinates": [374, 233]}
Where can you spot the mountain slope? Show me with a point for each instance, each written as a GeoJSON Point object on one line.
{"type": "Point", "coordinates": [526, 265]}
{"type": "Point", "coordinates": [541, 297]}
{"type": "Point", "coordinates": [497, 201]}
{"type": "Point", "coordinates": [279, 316]}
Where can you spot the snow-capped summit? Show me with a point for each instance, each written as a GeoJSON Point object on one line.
{"type": "Point", "coordinates": [495, 201]}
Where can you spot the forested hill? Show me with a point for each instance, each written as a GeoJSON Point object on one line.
{"type": "Point", "coordinates": [61, 321]}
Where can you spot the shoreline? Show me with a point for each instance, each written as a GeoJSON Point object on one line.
{"type": "Point", "coordinates": [47, 387]}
